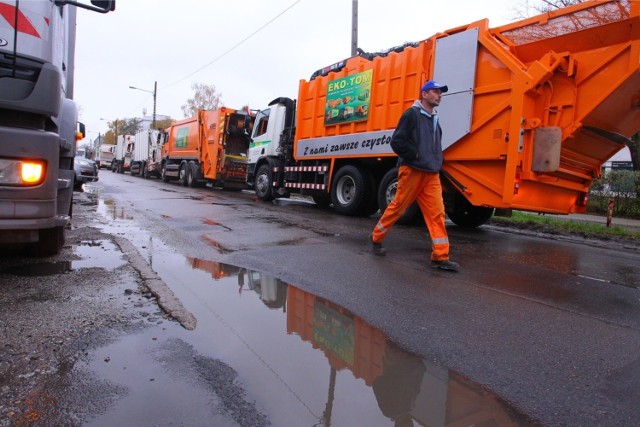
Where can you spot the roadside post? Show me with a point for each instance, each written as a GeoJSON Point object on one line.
{"type": "Point", "coordinates": [610, 212]}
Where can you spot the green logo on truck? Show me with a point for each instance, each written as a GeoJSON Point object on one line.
{"type": "Point", "coordinates": [181, 137]}
{"type": "Point", "coordinates": [348, 99]}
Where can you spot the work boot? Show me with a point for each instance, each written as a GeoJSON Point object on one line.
{"type": "Point", "coordinates": [377, 248]}
{"type": "Point", "coordinates": [445, 265]}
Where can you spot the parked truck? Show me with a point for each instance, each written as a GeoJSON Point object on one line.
{"type": "Point", "coordinates": [105, 155]}
{"type": "Point", "coordinates": [210, 147]}
{"type": "Point", "coordinates": [38, 120]}
{"type": "Point", "coordinates": [123, 153]}
{"type": "Point", "coordinates": [147, 153]}
{"type": "Point", "coordinates": [534, 109]}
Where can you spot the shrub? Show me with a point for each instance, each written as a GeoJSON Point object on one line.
{"type": "Point", "coordinates": [620, 185]}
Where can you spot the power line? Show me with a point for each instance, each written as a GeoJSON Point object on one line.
{"type": "Point", "coordinates": [235, 46]}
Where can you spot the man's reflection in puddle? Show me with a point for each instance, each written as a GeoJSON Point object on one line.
{"type": "Point", "coordinates": [399, 385]}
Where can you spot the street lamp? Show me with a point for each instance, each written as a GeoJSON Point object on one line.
{"type": "Point", "coordinates": [155, 89]}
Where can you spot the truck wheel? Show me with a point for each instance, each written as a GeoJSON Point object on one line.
{"type": "Point", "coordinates": [163, 173]}
{"type": "Point", "coordinates": [77, 185]}
{"type": "Point", "coordinates": [386, 194]}
{"type": "Point", "coordinates": [464, 214]}
{"type": "Point", "coordinates": [50, 241]}
{"type": "Point", "coordinates": [351, 191]}
{"type": "Point", "coordinates": [182, 174]}
{"type": "Point", "coordinates": [145, 171]}
{"type": "Point", "coordinates": [191, 175]}
{"type": "Point", "coordinates": [263, 183]}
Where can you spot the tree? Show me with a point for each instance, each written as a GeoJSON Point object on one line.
{"type": "Point", "coordinates": [543, 6]}
{"type": "Point", "coordinates": [204, 98]}
{"type": "Point", "coordinates": [121, 127]}
{"type": "Point", "coordinates": [163, 124]}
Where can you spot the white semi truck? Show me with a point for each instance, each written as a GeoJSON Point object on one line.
{"type": "Point", "coordinates": [105, 155]}
{"type": "Point", "coordinates": [147, 153]}
{"type": "Point", "coordinates": [123, 153]}
{"type": "Point", "coordinates": [38, 120]}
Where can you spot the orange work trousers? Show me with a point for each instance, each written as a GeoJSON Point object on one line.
{"type": "Point", "coordinates": [425, 187]}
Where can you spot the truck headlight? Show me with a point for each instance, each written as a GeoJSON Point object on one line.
{"type": "Point", "coordinates": [21, 172]}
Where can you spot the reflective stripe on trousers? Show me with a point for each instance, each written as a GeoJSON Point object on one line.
{"type": "Point", "coordinates": [424, 187]}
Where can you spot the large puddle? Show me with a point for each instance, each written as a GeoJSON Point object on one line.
{"type": "Point", "coordinates": [270, 351]}
{"type": "Point", "coordinates": [329, 364]}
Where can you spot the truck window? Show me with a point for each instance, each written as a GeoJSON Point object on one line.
{"type": "Point", "coordinates": [261, 123]}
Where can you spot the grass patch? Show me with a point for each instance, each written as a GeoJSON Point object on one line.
{"type": "Point", "coordinates": [551, 224]}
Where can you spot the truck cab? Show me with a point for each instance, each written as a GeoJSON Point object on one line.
{"type": "Point", "coordinates": [266, 145]}
{"type": "Point", "coordinates": [105, 155]}
{"type": "Point", "coordinates": [38, 120]}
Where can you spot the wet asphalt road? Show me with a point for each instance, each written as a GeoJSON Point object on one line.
{"type": "Point", "coordinates": [550, 326]}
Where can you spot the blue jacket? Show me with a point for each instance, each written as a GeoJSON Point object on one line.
{"type": "Point", "coordinates": [415, 140]}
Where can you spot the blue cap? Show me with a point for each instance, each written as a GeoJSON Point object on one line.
{"type": "Point", "coordinates": [432, 84]}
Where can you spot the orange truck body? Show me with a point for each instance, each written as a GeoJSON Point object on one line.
{"type": "Point", "coordinates": [534, 110]}
{"type": "Point", "coordinates": [209, 147]}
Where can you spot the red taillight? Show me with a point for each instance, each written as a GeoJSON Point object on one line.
{"type": "Point", "coordinates": [583, 198]}
{"type": "Point", "coordinates": [516, 181]}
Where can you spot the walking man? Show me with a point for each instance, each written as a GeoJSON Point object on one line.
{"type": "Point", "coordinates": [417, 142]}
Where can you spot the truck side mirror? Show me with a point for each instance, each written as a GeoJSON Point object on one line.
{"type": "Point", "coordinates": [106, 5]}
{"type": "Point", "coordinates": [102, 6]}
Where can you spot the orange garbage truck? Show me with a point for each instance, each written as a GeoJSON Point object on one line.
{"type": "Point", "coordinates": [210, 147]}
{"type": "Point", "coordinates": [533, 111]}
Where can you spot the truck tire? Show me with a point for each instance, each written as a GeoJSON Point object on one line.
{"type": "Point", "coordinates": [145, 171]}
{"type": "Point", "coordinates": [77, 185]}
{"type": "Point", "coordinates": [263, 183]}
{"type": "Point", "coordinates": [351, 191]}
{"type": "Point", "coordinates": [50, 241]}
{"type": "Point", "coordinates": [464, 214]}
{"type": "Point", "coordinates": [163, 173]}
{"type": "Point", "coordinates": [192, 172]}
{"type": "Point", "coordinates": [386, 194]}
{"type": "Point", "coordinates": [182, 174]}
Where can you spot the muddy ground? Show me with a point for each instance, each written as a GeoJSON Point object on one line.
{"type": "Point", "coordinates": [54, 310]}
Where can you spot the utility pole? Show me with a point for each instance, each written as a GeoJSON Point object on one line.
{"type": "Point", "coordinates": [155, 90]}
{"type": "Point", "coordinates": [116, 131]}
{"type": "Point", "coordinates": [354, 28]}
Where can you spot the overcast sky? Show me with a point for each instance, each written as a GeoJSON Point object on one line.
{"type": "Point", "coordinates": [181, 42]}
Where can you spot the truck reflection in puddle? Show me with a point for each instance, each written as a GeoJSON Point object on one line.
{"type": "Point", "coordinates": [408, 389]}
{"type": "Point", "coordinates": [112, 210]}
